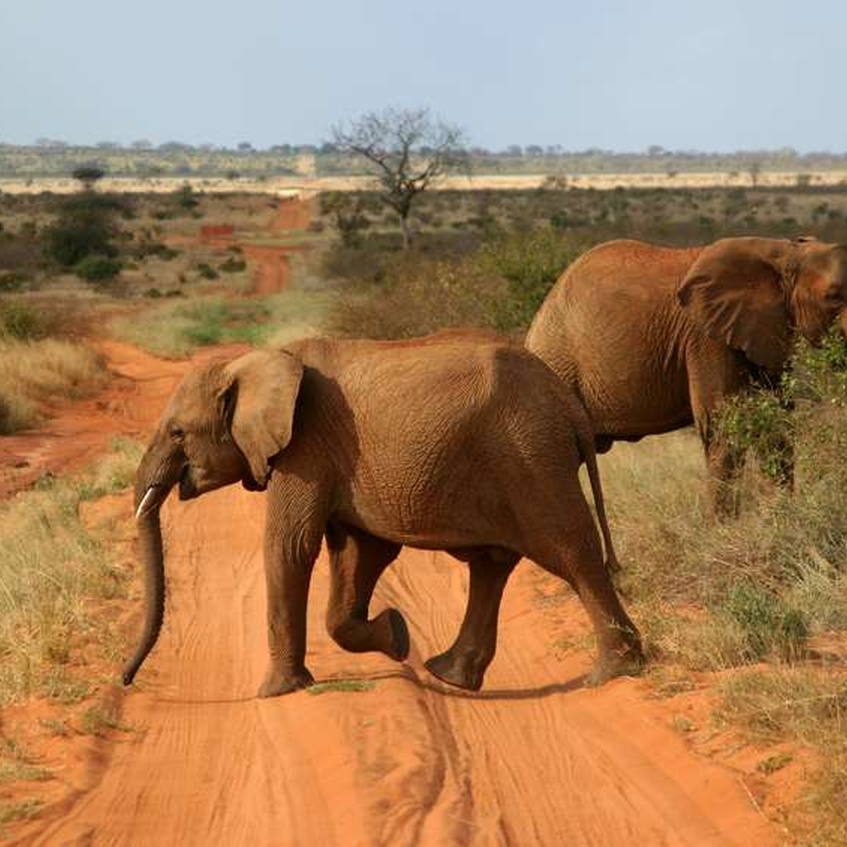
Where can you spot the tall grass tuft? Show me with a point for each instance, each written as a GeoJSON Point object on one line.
{"type": "Point", "coordinates": [32, 372]}
{"type": "Point", "coordinates": [718, 596]}
{"type": "Point", "coordinates": [50, 569]}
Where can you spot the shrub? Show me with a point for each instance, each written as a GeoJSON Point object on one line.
{"type": "Point", "coordinates": [206, 271]}
{"type": "Point", "coordinates": [530, 263]}
{"type": "Point", "coordinates": [22, 321]}
{"type": "Point", "coordinates": [232, 265]}
{"type": "Point", "coordinates": [420, 298]}
{"type": "Point", "coordinates": [759, 423]}
{"type": "Point", "coordinates": [768, 624]}
{"type": "Point", "coordinates": [13, 281]}
{"type": "Point", "coordinates": [156, 248]}
{"type": "Point", "coordinates": [185, 198]}
{"type": "Point", "coordinates": [83, 227]}
{"type": "Point", "coordinates": [97, 268]}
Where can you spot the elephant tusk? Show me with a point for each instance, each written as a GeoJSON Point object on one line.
{"type": "Point", "coordinates": [149, 496]}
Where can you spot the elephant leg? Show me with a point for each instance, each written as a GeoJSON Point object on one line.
{"type": "Point", "coordinates": [724, 465]}
{"type": "Point", "coordinates": [714, 374]}
{"type": "Point", "coordinates": [465, 663]}
{"type": "Point", "coordinates": [574, 554]}
{"type": "Point", "coordinates": [290, 555]}
{"type": "Point", "coordinates": [357, 561]}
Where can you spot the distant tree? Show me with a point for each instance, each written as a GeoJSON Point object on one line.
{"type": "Point", "coordinates": [175, 147]}
{"type": "Point", "coordinates": [245, 147]}
{"type": "Point", "coordinates": [393, 142]}
{"type": "Point", "coordinates": [87, 175]}
{"type": "Point", "coordinates": [55, 143]}
{"type": "Point", "coordinates": [754, 169]}
{"type": "Point", "coordinates": [655, 150]}
{"type": "Point", "coordinates": [284, 149]}
{"type": "Point", "coordinates": [514, 150]}
{"type": "Point", "coordinates": [534, 150]}
{"type": "Point", "coordinates": [141, 144]}
{"type": "Point", "coordinates": [108, 145]}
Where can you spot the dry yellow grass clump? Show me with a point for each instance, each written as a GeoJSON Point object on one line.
{"type": "Point", "coordinates": [33, 372]}
{"type": "Point", "coordinates": [51, 568]}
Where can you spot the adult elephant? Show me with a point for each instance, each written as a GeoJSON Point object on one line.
{"type": "Point", "coordinates": [468, 445]}
{"type": "Point", "coordinates": [655, 338]}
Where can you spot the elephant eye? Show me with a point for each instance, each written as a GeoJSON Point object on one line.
{"type": "Point", "coordinates": [177, 434]}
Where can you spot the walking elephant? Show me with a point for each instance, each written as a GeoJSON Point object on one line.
{"type": "Point", "coordinates": [653, 338]}
{"type": "Point", "coordinates": [468, 445]}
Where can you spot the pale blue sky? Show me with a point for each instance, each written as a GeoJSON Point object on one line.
{"type": "Point", "coordinates": [716, 75]}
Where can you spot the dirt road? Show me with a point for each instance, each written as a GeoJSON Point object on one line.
{"type": "Point", "coordinates": [532, 759]}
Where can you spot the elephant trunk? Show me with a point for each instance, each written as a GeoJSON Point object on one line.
{"type": "Point", "coordinates": [149, 497]}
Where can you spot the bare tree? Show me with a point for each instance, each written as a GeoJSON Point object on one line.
{"type": "Point", "coordinates": [410, 150]}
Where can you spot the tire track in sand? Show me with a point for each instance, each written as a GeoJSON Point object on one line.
{"type": "Point", "coordinates": [532, 759]}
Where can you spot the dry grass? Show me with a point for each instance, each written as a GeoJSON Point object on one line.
{"type": "Point", "coordinates": [715, 596]}
{"type": "Point", "coordinates": [50, 570]}
{"type": "Point", "coordinates": [32, 372]}
{"type": "Point", "coordinates": [805, 706]}
{"type": "Point", "coordinates": [174, 329]}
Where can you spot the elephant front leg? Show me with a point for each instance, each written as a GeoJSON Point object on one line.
{"type": "Point", "coordinates": [288, 572]}
{"type": "Point", "coordinates": [724, 463]}
{"type": "Point", "coordinates": [465, 663]}
{"type": "Point", "coordinates": [357, 560]}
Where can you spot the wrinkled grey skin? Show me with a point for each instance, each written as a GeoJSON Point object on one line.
{"type": "Point", "coordinates": [463, 444]}
{"type": "Point", "coordinates": [654, 338]}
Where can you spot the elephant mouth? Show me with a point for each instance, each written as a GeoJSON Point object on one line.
{"type": "Point", "coordinates": [187, 486]}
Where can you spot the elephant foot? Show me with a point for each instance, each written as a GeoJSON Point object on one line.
{"type": "Point", "coordinates": [399, 646]}
{"type": "Point", "coordinates": [277, 683]}
{"type": "Point", "coordinates": [611, 665]}
{"type": "Point", "coordinates": [462, 673]}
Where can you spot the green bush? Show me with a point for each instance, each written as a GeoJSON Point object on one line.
{"type": "Point", "coordinates": [185, 198]}
{"type": "Point", "coordinates": [759, 423]}
{"type": "Point", "coordinates": [768, 624]}
{"type": "Point", "coordinates": [232, 265]}
{"type": "Point", "coordinates": [530, 263]}
{"type": "Point", "coordinates": [206, 271]}
{"type": "Point", "coordinates": [22, 321]}
{"type": "Point", "coordinates": [13, 281]}
{"type": "Point", "coordinates": [83, 227]}
{"type": "Point", "coordinates": [97, 268]}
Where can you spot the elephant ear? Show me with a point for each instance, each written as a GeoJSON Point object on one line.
{"type": "Point", "coordinates": [260, 396]}
{"type": "Point", "coordinates": [734, 291]}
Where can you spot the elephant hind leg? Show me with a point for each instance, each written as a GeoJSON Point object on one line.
{"type": "Point", "coordinates": [357, 560]}
{"type": "Point", "coordinates": [573, 553]}
{"type": "Point", "coordinates": [465, 663]}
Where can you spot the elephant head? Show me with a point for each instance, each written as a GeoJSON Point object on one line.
{"type": "Point", "coordinates": [756, 294]}
{"type": "Point", "coordinates": [224, 424]}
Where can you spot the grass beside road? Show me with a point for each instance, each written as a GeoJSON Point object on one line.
{"type": "Point", "coordinates": [53, 572]}
{"type": "Point", "coordinates": [174, 329]}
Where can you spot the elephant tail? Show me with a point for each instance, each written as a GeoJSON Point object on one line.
{"type": "Point", "coordinates": [589, 455]}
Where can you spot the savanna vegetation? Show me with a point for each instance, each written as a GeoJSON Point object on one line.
{"type": "Point", "coordinates": [748, 609]}
{"type": "Point", "coordinates": [50, 157]}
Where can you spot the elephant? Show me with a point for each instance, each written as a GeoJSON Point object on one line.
{"type": "Point", "coordinates": [654, 338]}
{"type": "Point", "coordinates": [462, 444]}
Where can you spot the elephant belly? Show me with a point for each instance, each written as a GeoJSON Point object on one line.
{"type": "Point", "coordinates": [639, 397]}
{"type": "Point", "coordinates": [434, 517]}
